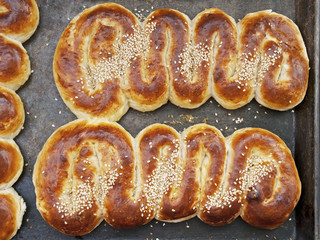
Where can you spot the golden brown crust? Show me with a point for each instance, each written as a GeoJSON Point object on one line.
{"type": "Point", "coordinates": [168, 56]}
{"type": "Point", "coordinates": [19, 19]}
{"type": "Point", "coordinates": [101, 159]}
{"type": "Point", "coordinates": [205, 151]}
{"type": "Point", "coordinates": [158, 150]}
{"type": "Point", "coordinates": [189, 88]}
{"type": "Point", "coordinates": [218, 31]}
{"type": "Point", "coordinates": [272, 199]}
{"type": "Point", "coordinates": [79, 60]}
{"type": "Point", "coordinates": [14, 63]}
{"type": "Point", "coordinates": [12, 209]}
{"type": "Point", "coordinates": [106, 61]}
{"type": "Point", "coordinates": [164, 176]}
{"type": "Point", "coordinates": [11, 113]}
{"type": "Point", "coordinates": [282, 76]}
{"type": "Point", "coordinates": [11, 163]}
{"type": "Point", "coordinates": [146, 82]}
{"type": "Point", "coordinates": [123, 201]}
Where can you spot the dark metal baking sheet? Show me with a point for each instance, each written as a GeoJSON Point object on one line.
{"type": "Point", "coordinates": [45, 111]}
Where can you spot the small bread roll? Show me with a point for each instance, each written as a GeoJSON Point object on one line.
{"type": "Point", "coordinates": [11, 163]}
{"type": "Point", "coordinates": [14, 64]}
{"type": "Point", "coordinates": [19, 19]}
{"type": "Point", "coordinates": [11, 113]}
{"type": "Point", "coordinates": [12, 208]}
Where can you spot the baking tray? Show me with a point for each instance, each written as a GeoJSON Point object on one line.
{"type": "Point", "coordinates": [45, 111]}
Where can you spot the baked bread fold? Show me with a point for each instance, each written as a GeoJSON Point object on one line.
{"type": "Point", "coordinates": [88, 65]}
{"type": "Point", "coordinates": [90, 170]}
{"type": "Point", "coordinates": [267, 176]}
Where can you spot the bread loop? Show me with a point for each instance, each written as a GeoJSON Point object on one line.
{"type": "Point", "coordinates": [147, 83]}
{"type": "Point", "coordinates": [281, 75]}
{"type": "Point", "coordinates": [218, 32]}
{"type": "Point", "coordinates": [268, 176]}
{"type": "Point", "coordinates": [18, 19]}
{"type": "Point", "coordinates": [124, 200]}
{"type": "Point", "coordinates": [89, 68]}
{"type": "Point", "coordinates": [85, 160]}
{"type": "Point", "coordinates": [205, 150]}
{"type": "Point", "coordinates": [158, 150]}
{"type": "Point", "coordinates": [186, 87]}
{"type": "Point", "coordinates": [89, 170]}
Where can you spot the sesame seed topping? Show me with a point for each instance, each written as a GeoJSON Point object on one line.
{"type": "Point", "coordinates": [108, 68]}
{"type": "Point", "coordinates": [256, 169]}
{"type": "Point", "coordinates": [192, 57]}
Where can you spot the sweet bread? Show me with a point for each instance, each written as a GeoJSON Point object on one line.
{"type": "Point", "coordinates": [11, 113]}
{"type": "Point", "coordinates": [19, 19]}
{"type": "Point", "coordinates": [71, 191]}
{"type": "Point", "coordinates": [93, 92]}
{"type": "Point", "coordinates": [11, 163]}
{"type": "Point", "coordinates": [261, 183]}
{"type": "Point", "coordinates": [107, 61]}
{"type": "Point", "coordinates": [282, 78]}
{"type": "Point", "coordinates": [12, 208]}
{"type": "Point", "coordinates": [14, 65]}
{"type": "Point", "coordinates": [90, 170]}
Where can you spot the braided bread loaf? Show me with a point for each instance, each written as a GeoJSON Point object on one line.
{"type": "Point", "coordinates": [106, 61]}
{"type": "Point", "coordinates": [18, 21]}
{"type": "Point", "coordinates": [90, 170]}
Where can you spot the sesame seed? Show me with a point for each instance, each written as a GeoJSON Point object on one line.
{"type": "Point", "coordinates": [256, 169]}
{"type": "Point", "coordinates": [135, 45]}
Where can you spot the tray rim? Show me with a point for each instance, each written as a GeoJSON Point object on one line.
{"type": "Point", "coordinates": [317, 119]}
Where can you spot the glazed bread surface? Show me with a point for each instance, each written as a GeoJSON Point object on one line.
{"type": "Point", "coordinates": [90, 170]}
{"type": "Point", "coordinates": [11, 113]}
{"type": "Point", "coordinates": [107, 61]}
{"type": "Point", "coordinates": [14, 65]}
{"type": "Point", "coordinates": [18, 21]}
{"type": "Point", "coordinates": [12, 208]}
{"type": "Point", "coordinates": [11, 163]}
